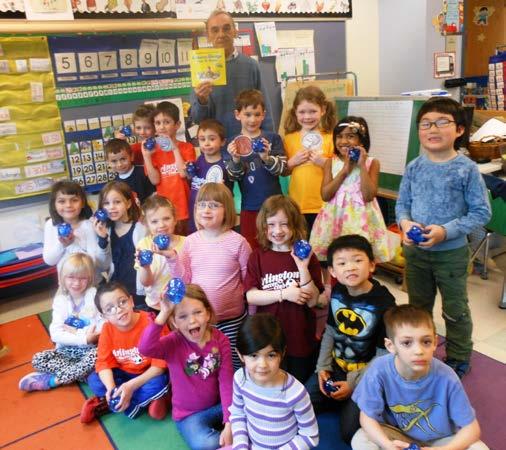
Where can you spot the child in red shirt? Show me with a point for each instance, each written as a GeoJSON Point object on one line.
{"type": "Point", "coordinates": [121, 371]}
{"type": "Point", "coordinates": [166, 167]}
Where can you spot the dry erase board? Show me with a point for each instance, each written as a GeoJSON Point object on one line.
{"type": "Point", "coordinates": [392, 126]}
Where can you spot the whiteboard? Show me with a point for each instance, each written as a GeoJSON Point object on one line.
{"type": "Point", "coordinates": [389, 128]}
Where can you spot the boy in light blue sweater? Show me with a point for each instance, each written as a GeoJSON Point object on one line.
{"type": "Point", "coordinates": [443, 193]}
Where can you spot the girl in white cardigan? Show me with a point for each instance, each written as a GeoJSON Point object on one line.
{"type": "Point", "coordinates": [68, 205]}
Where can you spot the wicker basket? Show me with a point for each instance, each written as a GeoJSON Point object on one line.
{"type": "Point", "coordinates": [479, 151]}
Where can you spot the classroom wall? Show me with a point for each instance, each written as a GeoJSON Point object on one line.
{"type": "Point", "coordinates": [362, 45]}
{"type": "Point", "coordinates": [389, 45]}
{"type": "Point", "coordinates": [407, 42]}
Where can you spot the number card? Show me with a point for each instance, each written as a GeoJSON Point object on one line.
{"type": "Point", "coordinates": [108, 60]}
{"type": "Point", "coordinates": [79, 180]}
{"type": "Point", "coordinates": [102, 177]}
{"type": "Point", "coordinates": [77, 171]}
{"type": "Point", "coordinates": [90, 178]}
{"type": "Point", "coordinates": [183, 51]}
{"type": "Point", "coordinates": [88, 62]}
{"type": "Point", "coordinates": [148, 53]}
{"type": "Point", "coordinates": [65, 62]}
{"type": "Point", "coordinates": [100, 166]}
{"type": "Point", "coordinates": [128, 58]}
{"type": "Point", "coordinates": [75, 159]}
{"type": "Point", "coordinates": [166, 52]}
{"type": "Point", "coordinates": [88, 168]}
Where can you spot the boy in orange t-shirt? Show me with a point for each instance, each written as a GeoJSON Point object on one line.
{"type": "Point", "coordinates": [166, 167]}
{"type": "Point", "coordinates": [124, 381]}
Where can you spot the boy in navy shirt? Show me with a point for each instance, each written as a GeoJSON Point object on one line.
{"type": "Point", "coordinates": [120, 159]}
{"type": "Point", "coordinates": [257, 172]}
{"type": "Point", "coordinates": [411, 397]}
{"type": "Point", "coordinates": [209, 166]}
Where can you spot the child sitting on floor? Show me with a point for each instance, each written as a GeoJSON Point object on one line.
{"type": "Point", "coordinates": [121, 371]}
{"type": "Point", "coordinates": [411, 397]}
{"type": "Point", "coordinates": [74, 329]}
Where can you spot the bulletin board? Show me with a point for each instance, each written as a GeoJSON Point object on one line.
{"type": "Point", "coordinates": [32, 152]}
{"type": "Point", "coordinates": [394, 136]}
{"type": "Point", "coordinates": [101, 79]}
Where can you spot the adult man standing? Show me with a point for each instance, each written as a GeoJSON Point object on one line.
{"type": "Point", "coordinates": [243, 72]}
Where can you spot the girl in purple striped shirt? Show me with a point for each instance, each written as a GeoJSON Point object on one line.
{"type": "Point", "coordinates": [270, 408]}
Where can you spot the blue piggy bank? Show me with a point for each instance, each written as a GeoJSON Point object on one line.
{"type": "Point", "coordinates": [354, 154]}
{"type": "Point", "coordinates": [416, 234]}
{"type": "Point", "coordinates": [302, 249]}
{"type": "Point", "coordinates": [145, 257]}
{"type": "Point", "coordinates": [64, 229]}
{"type": "Point", "coordinates": [329, 385]}
{"type": "Point", "coordinates": [113, 403]}
{"type": "Point", "coordinates": [257, 146]}
{"type": "Point", "coordinates": [162, 241]}
{"type": "Point", "coordinates": [149, 143]}
{"type": "Point", "coordinates": [176, 290]}
{"type": "Point", "coordinates": [191, 169]}
{"type": "Point", "coordinates": [413, 446]}
{"type": "Point", "coordinates": [126, 130]}
{"type": "Point", "coordinates": [101, 215]}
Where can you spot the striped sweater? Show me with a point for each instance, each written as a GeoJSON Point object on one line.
{"type": "Point", "coordinates": [218, 266]}
{"type": "Point", "coordinates": [272, 418]}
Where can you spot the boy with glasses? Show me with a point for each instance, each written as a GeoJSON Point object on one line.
{"type": "Point", "coordinates": [124, 381]}
{"type": "Point", "coordinates": [444, 195]}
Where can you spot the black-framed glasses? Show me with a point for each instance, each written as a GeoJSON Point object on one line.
{"type": "Point", "coordinates": [111, 310]}
{"type": "Point", "coordinates": [439, 123]}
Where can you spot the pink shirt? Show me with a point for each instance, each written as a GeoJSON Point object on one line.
{"type": "Point", "coordinates": [200, 377]}
{"type": "Point", "coordinates": [219, 267]}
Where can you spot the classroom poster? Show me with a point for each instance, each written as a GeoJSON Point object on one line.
{"type": "Point", "coordinates": [208, 64]}
{"type": "Point", "coordinates": [32, 152]}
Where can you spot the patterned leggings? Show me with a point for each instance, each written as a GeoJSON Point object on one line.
{"type": "Point", "coordinates": [230, 328]}
{"type": "Point", "coordinates": [69, 364]}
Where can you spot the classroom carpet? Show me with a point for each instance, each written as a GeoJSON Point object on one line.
{"type": "Point", "coordinates": [50, 420]}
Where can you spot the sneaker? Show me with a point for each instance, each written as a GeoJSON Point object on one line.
{"type": "Point", "coordinates": [461, 368]}
{"type": "Point", "coordinates": [158, 408]}
{"type": "Point", "coordinates": [93, 408]}
{"type": "Point", "coordinates": [35, 381]}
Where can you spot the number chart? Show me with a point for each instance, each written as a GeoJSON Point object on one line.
{"type": "Point", "coordinates": [115, 58]}
{"type": "Point", "coordinates": [102, 78]}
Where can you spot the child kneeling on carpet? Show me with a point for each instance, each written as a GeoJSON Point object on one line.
{"type": "Point", "coordinates": [74, 329]}
{"type": "Point", "coordinates": [122, 372]}
{"type": "Point", "coordinates": [200, 364]}
{"type": "Point", "coordinates": [411, 397]}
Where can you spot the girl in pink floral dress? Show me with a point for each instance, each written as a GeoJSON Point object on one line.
{"type": "Point", "coordinates": [349, 187]}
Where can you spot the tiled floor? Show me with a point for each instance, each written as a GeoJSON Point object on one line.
{"type": "Point", "coordinates": [489, 332]}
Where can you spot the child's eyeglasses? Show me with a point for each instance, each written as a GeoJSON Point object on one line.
{"type": "Point", "coordinates": [210, 205]}
{"type": "Point", "coordinates": [112, 310]}
{"type": "Point", "coordinates": [439, 123]}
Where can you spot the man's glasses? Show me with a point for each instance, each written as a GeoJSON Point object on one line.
{"type": "Point", "coordinates": [211, 205]}
{"type": "Point", "coordinates": [439, 123]}
{"type": "Point", "coordinates": [112, 310]}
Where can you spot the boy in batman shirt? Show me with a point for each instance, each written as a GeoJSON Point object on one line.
{"type": "Point", "coordinates": [353, 332]}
